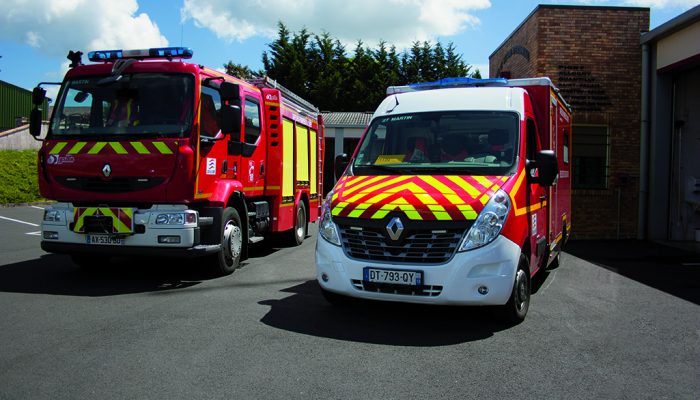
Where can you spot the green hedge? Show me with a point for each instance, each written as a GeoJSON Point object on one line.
{"type": "Point", "coordinates": [18, 177]}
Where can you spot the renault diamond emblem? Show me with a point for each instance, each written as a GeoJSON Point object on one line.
{"type": "Point", "coordinates": [106, 170]}
{"type": "Point", "coordinates": [395, 228]}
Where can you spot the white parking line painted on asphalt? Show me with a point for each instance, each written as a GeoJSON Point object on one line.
{"type": "Point", "coordinates": [37, 233]}
{"type": "Point", "coordinates": [37, 207]}
{"type": "Point", "coordinates": [18, 221]}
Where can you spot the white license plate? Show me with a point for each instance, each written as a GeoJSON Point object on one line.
{"type": "Point", "coordinates": [105, 240]}
{"type": "Point", "coordinates": [395, 276]}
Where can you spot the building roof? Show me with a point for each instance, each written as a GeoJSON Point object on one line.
{"type": "Point", "coordinates": [346, 119]}
{"type": "Point", "coordinates": [672, 26]}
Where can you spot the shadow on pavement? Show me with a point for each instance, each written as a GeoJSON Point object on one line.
{"type": "Point", "coordinates": [308, 313]}
{"type": "Point", "coordinates": [56, 274]}
{"type": "Point", "coordinates": [669, 269]}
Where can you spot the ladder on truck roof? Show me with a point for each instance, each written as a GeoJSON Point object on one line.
{"type": "Point", "coordinates": [289, 98]}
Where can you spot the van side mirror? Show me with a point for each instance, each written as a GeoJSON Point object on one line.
{"type": "Point", "coordinates": [547, 167]}
{"type": "Point", "coordinates": [35, 118]}
{"type": "Point", "coordinates": [341, 163]}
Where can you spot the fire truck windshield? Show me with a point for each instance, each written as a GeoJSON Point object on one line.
{"type": "Point", "coordinates": [444, 142]}
{"type": "Point", "coordinates": [137, 105]}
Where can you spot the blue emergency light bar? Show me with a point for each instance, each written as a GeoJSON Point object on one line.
{"type": "Point", "coordinates": [156, 52]}
{"type": "Point", "coordinates": [447, 83]}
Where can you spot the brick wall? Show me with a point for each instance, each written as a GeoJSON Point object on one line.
{"type": "Point", "coordinates": [593, 55]}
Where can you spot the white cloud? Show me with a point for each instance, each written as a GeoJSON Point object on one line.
{"type": "Point", "coordinates": [398, 22]}
{"type": "Point", "coordinates": [53, 27]}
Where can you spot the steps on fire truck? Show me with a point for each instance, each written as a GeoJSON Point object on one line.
{"type": "Point", "coordinates": [255, 239]}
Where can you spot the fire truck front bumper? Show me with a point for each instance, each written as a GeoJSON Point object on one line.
{"type": "Point", "coordinates": [482, 276]}
{"type": "Point", "coordinates": [156, 231]}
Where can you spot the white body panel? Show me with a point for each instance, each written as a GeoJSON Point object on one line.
{"type": "Point", "coordinates": [492, 266]}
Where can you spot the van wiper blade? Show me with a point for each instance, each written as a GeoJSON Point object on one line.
{"type": "Point", "coordinates": [382, 167]}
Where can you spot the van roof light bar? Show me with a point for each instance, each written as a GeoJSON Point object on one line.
{"type": "Point", "coordinates": [140, 54]}
{"type": "Point", "coordinates": [447, 83]}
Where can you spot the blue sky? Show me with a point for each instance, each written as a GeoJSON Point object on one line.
{"type": "Point", "coordinates": [36, 35]}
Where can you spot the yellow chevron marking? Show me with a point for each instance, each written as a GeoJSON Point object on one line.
{"type": "Point", "coordinates": [77, 147]}
{"type": "Point", "coordinates": [376, 199]}
{"type": "Point", "coordinates": [485, 198]}
{"type": "Point", "coordinates": [162, 147]}
{"type": "Point", "coordinates": [464, 185]}
{"type": "Point", "coordinates": [97, 147]}
{"type": "Point", "coordinates": [467, 211]}
{"type": "Point", "coordinates": [376, 187]}
{"type": "Point", "coordinates": [338, 208]}
{"type": "Point", "coordinates": [118, 148]}
{"type": "Point", "coordinates": [426, 198]}
{"type": "Point", "coordinates": [140, 148]}
{"type": "Point", "coordinates": [58, 147]}
{"type": "Point", "coordinates": [454, 199]}
{"type": "Point", "coordinates": [483, 181]}
{"type": "Point", "coordinates": [442, 188]}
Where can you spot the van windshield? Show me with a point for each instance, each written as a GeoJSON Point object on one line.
{"type": "Point", "coordinates": [137, 105]}
{"type": "Point", "coordinates": [436, 143]}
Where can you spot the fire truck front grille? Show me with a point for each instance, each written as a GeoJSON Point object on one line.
{"type": "Point", "coordinates": [423, 291]}
{"type": "Point", "coordinates": [114, 185]}
{"type": "Point", "coordinates": [423, 247]}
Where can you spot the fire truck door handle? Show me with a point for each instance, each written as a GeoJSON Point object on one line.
{"type": "Point", "coordinates": [235, 169]}
{"type": "Point", "coordinates": [224, 167]}
{"type": "Point", "coordinates": [542, 197]}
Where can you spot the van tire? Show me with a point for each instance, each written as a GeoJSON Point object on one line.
{"type": "Point", "coordinates": [515, 310]}
{"type": "Point", "coordinates": [229, 258]}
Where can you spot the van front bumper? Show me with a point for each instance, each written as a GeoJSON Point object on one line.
{"type": "Point", "coordinates": [456, 282]}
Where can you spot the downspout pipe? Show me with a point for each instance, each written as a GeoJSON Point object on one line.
{"type": "Point", "coordinates": [644, 146]}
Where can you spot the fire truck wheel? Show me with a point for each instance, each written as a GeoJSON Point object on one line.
{"type": "Point", "coordinates": [516, 308]}
{"type": "Point", "coordinates": [89, 262]}
{"type": "Point", "coordinates": [301, 226]}
{"type": "Point", "coordinates": [231, 242]}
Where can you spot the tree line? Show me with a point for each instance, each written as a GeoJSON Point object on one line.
{"type": "Point", "coordinates": [317, 68]}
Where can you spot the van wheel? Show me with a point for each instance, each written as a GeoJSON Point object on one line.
{"type": "Point", "coordinates": [229, 258]}
{"type": "Point", "coordinates": [515, 310]}
{"type": "Point", "coordinates": [301, 226]}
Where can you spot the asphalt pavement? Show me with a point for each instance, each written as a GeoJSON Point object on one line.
{"type": "Point", "coordinates": [615, 320]}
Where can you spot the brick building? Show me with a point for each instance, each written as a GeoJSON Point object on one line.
{"type": "Point", "coordinates": [593, 55]}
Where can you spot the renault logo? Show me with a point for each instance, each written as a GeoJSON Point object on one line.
{"type": "Point", "coordinates": [395, 228]}
{"type": "Point", "coordinates": [106, 170]}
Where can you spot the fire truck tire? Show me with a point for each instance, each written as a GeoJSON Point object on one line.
{"type": "Point", "coordinates": [88, 261]}
{"type": "Point", "coordinates": [229, 258]}
{"type": "Point", "coordinates": [515, 310]}
{"type": "Point", "coordinates": [301, 225]}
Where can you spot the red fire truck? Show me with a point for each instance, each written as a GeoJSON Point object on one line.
{"type": "Point", "coordinates": [458, 193]}
{"type": "Point", "coordinates": [149, 155]}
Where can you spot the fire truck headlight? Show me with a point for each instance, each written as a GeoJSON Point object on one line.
{"type": "Point", "coordinates": [489, 223]}
{"type": "Point", "coordinates": [51, 215]}
{"type": "Point", "coordinates": [327, 227]}
{"type": "Point", "coordinates": [179, 218]}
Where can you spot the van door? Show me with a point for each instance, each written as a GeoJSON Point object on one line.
{"type": "Point", "coordinates": [536, 202]}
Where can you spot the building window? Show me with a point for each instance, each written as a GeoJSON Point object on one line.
{"type": "Point", "coordinates": [591, 145]}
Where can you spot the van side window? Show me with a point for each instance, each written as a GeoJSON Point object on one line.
{"type": "Point", "coordinates": [252, 121]}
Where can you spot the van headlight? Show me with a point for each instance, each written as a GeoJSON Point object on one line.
{"type": "Point", "coordinates": [489, 223]}
{"type": "Point", "coordinates": [327, 228]}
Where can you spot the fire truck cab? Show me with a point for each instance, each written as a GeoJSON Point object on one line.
{"type": "Point", "coordinates": [149, 155]}
{"type": "Point", "coordinates": [458, 193]}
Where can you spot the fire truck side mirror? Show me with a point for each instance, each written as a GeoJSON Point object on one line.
{"type": "Point", "coordinates": [38, 96]}
{"type": "Point", "coordinates": [230, 92]}
{"type": "Point", "coordinates": [547, 167]}
{"type": "Point", "coordinates": [231, 119]}
{"type": "Point", "coordinates": [35, 122]}
{"type": "Point", "coordinates": [341, 162]}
